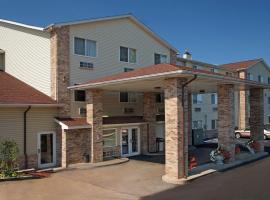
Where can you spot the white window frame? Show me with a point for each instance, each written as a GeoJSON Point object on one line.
{"type": "Point", "coordinates": [128, 55]}
{"type": "Point", "coordinates": [215, 99]}
{"type": "Point", "coordinates": [85, 48]}
{"type": "Point", "coordinates": [115, 129]}
{"type": "Point", "coordinates": [197, 102]}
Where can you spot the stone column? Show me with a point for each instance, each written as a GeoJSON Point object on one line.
{"type": "Point", "coordinates": [243, 115]}
{"type": "Point", "coordinates": [94, 118]}
{"type": "Point", "coordinates": [176, 136]}
{"type": "Point", "coordinates": [243, 110]}
{"type": "Point", "coordinates": [60, 79]}
{"type": "Point", "coordinates": [64, 149]}
{"type": "Point", "coordinates": [257, 116]}
{"type": "Point", "coordinates": [226, 119]}
{"type": "Point", "coordinates": [149, 115]}
{"type": "Point", "coordinates": [189, 119]}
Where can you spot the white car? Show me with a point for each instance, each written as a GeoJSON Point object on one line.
{"type": "Point", "coordinates": [246, 133]}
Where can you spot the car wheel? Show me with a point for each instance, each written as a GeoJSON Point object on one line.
{"type": "Point", "coordinates": [237, 135]}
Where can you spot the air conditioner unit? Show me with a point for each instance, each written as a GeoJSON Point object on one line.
{"type": "Point", "coordinates": [129, 110]}
{"type": "Point", "coordinates": [82, 112]}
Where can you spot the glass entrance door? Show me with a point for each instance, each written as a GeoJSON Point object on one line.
{"type": "Point", "coordinates": [46, 150]}
{"type": "Point", "coordinates": [130, 141]}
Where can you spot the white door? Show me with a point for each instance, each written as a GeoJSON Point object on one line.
{"type": "Point", "coordinates": [130, 141]}
{"type": "Point", "coordinates": [46, 150]}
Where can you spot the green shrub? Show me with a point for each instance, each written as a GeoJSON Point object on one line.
{"type": "Point", "coordinates": [8, 155]}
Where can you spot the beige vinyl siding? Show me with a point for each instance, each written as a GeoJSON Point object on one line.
{"type": "Point", "coordinates": [112, 105]}
{"type": "Point", "coordinates": [27, 55]}
{"type": "Point", "coordinates": [38, 120]}
{"type": "Point", "coordinates": [110, 35]}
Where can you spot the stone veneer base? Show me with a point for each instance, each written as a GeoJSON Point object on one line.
{"type": "Point", "coordinates": [180, 181]}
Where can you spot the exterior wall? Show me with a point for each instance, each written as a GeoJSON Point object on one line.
{"type": "Point", "coordinates": [27, 55]}
{"type": "Point", "coordinates": [110, 35]}
{"type": "Point", "coordinates": [78, 145]}
{"type": "Point", "coordinates": [38, 120]}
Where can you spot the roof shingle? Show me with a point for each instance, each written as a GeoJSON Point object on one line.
{"type": "Point", "coordinates": [14, 91]}
{"type": "Point", "coordinates": [240, 65]}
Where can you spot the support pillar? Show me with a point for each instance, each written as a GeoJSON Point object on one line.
{"type": "Point", "coordinates": [176, 136]}
{"type": "Point", "coordinates": [257, 117]}
{"type": "Point", "coordinates": [64, 149]}
{"type": "Point", "coordinates": [243, 110]}
{"type": "Point", "coordinates": [149, 115]}
{"type": "Point", "coordinates": [190, 119]}
{"type": "Point", "coordinates": [226, 119]}
{"type": "Point", "coordinates": [94, 118]}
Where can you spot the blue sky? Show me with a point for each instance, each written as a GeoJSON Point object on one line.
{"type": "Point", "coordinates": [215, 31]}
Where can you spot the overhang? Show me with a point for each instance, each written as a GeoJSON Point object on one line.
{"type": "Point", "coordinates": [152, 78]}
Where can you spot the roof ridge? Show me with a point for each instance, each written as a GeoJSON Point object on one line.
{"type": "Point", "coordinates": [256, 59]}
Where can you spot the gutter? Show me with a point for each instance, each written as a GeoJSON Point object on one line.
{"type": "Point", "coordinates": [25, 136]}
{"type": "Point", "coordinates": [183, 101]}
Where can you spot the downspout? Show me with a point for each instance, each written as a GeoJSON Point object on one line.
{"type": "Point", "coordinates": [183, 101]}
{"type": "Point", "coordinates": [25, 137]}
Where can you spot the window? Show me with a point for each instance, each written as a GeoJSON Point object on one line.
{"type": "Point", "coordinates": [85, 47]}
{"type": "Point", "coordinates": [127, 97]}
{"type": "Point", "coordinates": [214, 124]}
{"type": "Point", "coordinates": [126, 69]}
{"type": "Point", "coordinates": [79, 95]}
{"type": "Point", "coordinates": [197, 124]}
{"type": "Point", "coordinates": [86, 65]}
{"type": "Point", "coordinates": [197, 98]}
{"type": "Point", "coordinates": [195, 67]}
{"type": "Point", "coordinates": [269, 119]}
{"type": "Point", "coordinates": [268, 80]}
{"type": "Point", "coordinates": [215, 109]}
{"type": "Point", "coordinates": [268, 100]}
{"type": "Point", "coordinates": [159, 98]}
{"type": "Point", "coordinates": [213, 98]}
{"type": "Point", "coordinates": [159, 58]}
{"type": "Point", "coordinates": [129, 110]}
{"type": "Point", "coordinates": [250, 76]}
{"type": "Point", "coordinates": [128, 55]}
{"type": "Point", "coordinates": [214, 70]}
{"type": "Point", "coordinates": [109, 137]}
{"type": "Point", "coordinates": [260, 79]}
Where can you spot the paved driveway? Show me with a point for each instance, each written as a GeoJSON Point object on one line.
{"type": "Point", "coordinates": [130, 180]}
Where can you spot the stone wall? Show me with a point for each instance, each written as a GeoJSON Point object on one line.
{"type": "Point", "coordinates": [112, 152]}
{"type": "Point", "coordinates": [149, 115]}
{"type": "Point", "coordinates": [176, 123]}
{"type": "Point", "coordinates": [60, 69]}
{"type": "Point", "coordinates": [78, 145]}
{"type": "Point", "coordinates": [226, 119]}
{"type": "Point", "coordinates": [173, 57]}
{"type": "Point", "coordinates": [94, 117]}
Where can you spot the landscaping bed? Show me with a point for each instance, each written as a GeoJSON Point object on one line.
{"type": "Point", "coordinates": [26, 175]}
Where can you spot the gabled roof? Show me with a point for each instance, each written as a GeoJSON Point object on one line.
{"type": "Point", "coordinates": [237, 66]}
{"type": "Point", "coordinates": [100, 19]}
{"type": "Point", "coordinates": [21, 25]}
{"type": "Point", "coordinates": [13, 91]}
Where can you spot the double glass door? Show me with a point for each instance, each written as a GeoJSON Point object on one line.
{"type": "Point", "coordinates": [130, 141]}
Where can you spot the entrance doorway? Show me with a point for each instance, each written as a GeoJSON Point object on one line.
{"type": "Point", "coordinates": [46, 150]}
{"type": "Point", "coordinates": [130, 141]}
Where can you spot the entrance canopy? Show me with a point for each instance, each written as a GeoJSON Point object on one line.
{"type": "Point", "coordinates": [151, 79]}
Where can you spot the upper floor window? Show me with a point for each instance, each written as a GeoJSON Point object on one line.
{"type": "Point", "coordinates": [250, 76]}
{"type": "Point", "coordinates": [213, 98]}
{"type": "Point", "coordinates": [160, 58]}
{"type": "Point", "coordinates": [85, 47]}
{"type": "Point", "coordinates": [268, 80]}
{"type": "Point", "coordinates": [195, 67]}
{"type": "Point", "coordinates": [128, 55]}
{"type": "Point", "coordinates": [79, 95]}
{"type": "Point", "coordinates": [214, 70]}
{"type": "Point", "coordinates": [127, 97]}
{"type": "Point", "coordinates": [197, 98]}
{"type": "Point", "coordinates": [260, 79]}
